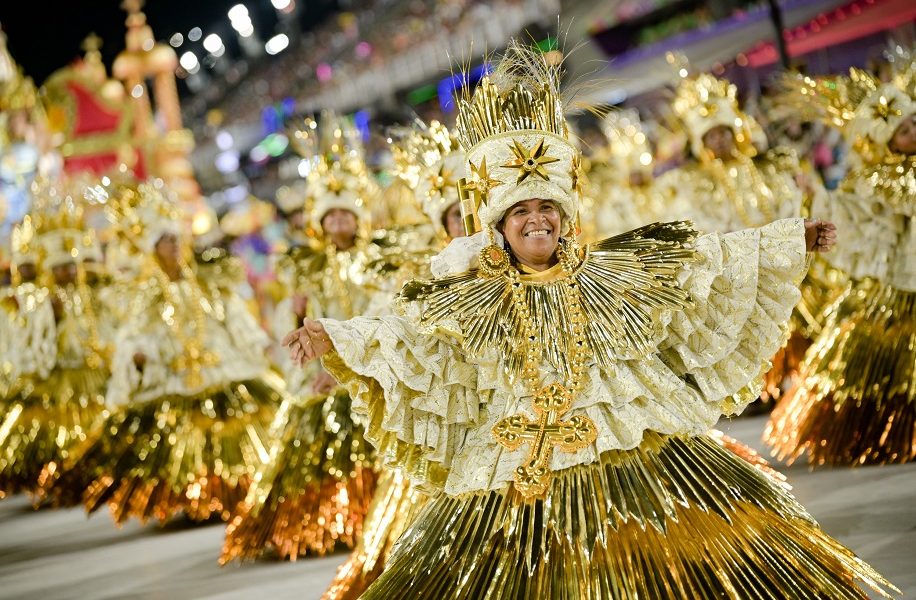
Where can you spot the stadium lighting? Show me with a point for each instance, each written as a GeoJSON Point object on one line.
{"type": "Point", "coordinates": [277, 44]}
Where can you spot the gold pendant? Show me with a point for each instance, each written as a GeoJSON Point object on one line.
{"type": "Point", "coordinates": [544, 433]}
{"type": "Point", "coordinates": [493, 261]}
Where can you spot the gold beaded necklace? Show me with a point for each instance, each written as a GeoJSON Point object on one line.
{"type": "Point", "coordinates": [553, 400]}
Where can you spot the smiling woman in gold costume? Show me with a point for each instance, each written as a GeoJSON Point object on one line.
{"type": "Point", "coordinates": [855, 402]}
{"type": "Point", "coordinates": [558, 396]}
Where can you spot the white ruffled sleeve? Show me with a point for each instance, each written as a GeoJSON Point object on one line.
{"type": "Point", "coordinates": [416, 389]}
{"type": "Point", "coordinates": [743, 289]}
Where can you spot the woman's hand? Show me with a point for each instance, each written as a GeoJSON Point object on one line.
{"type": "Point", "coordinates": [323, 383]}
{"type": "Point", "coordinates": [308, 342]}
{"type": "Point", "coordinates": [820, 236]}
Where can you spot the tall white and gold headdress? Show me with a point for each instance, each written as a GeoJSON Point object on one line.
{"type": "Point", "coordinates": [867, 110]}
{"type": "Point", "coordinates": [514, 132]}
{"type": "Point", "coordinates": [338, 176]}
{"type": "Point", "coordinates": [60, 231]}
{"type": "Point", "coordinates": [142, 214]}
{"type": "Point", "coordinates": [703, 102]}
{"type": "Point", "coordinates": [628, 147]}
{"type": "Point", "coordinates": [429, 161]}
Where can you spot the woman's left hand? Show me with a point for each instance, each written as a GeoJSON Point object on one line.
{"type": "Point", "coordinates": [308, 342]}
{"type": "Point", "coordinates": [820, 236]}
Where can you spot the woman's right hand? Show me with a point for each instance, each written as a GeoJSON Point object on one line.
{"type": "Point", "coordinates": [307, 343]}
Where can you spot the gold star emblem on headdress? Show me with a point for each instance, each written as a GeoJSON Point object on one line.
{"type": "Point", "coordinates": [483, 183]}
{"type": "Point", "coordinates": [335, 185]}
{"type": "Point", "coordinates": [442, 181]}
{"type": "Point", "coordinates": [578, 176]}
{"type": "Point", "coordinates": [884, 108]}
{"type": "Point", "coordinates": [531, 161]}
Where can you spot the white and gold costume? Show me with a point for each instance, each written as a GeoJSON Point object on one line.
{"type": "Point", "coordinates": [622, 195]}
{"type": "Point", "coordinates": [58, 356]}
{"type": "Point", "coordinates": [855, 402]}
{"type": "Point", "coordinates": [313, 491]}
{"type": "Point", "coordinates": [191, 395]}
{"type": "Point", "coordinates": [562, 414]}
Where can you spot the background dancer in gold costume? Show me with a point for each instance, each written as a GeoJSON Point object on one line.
{"type": "Point", "coordinates": [622, 195]}
{"type": "Point", "coordinates": [855, 402]}
{"type": "Point", "coordinates": [312, 493]}
{"type": "Point", "coordinates": [59, 359]}
{"type": "Point", "coordinates": [430, 163]}
{"type": "Point", "coordinates": [190, 393]}
{"type": "Point", "coordinates": [560, 395]}
{"type": "Point", "coordinates": [730, 184]}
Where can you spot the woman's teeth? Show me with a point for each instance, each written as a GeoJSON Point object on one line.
{"type": "Point", "coordinates": [537, 233]}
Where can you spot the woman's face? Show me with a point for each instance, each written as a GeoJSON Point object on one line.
{"type": "Point", "coordinates": [720, 141]}
{"type": "Point", "coordinates": [339, 223]}
{"type": "Point", "coordinates": [167, 249]}
{"type": "Point", "coordinates": [904, 139]}
{"type": "Point", "coordinates": [532, 229]}
{"type": "Point", "coordinates": [452, 221]}
{"type": "Point", "coordinates": [64, 274]}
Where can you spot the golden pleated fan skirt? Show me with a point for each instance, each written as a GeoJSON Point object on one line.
{"type": "Point", "coordinates": [395, 504]}
{"type": "Point", "coordinates": [42, 421]}
{"type": "Point", "coordinates": [313, 493]}
{"type": "Point", "coordinates": [855, 402]}
{"type": "Point", "coordinates": [673, 518]}
{"type": "Point", "coordinates": [191, 454]}
{"type": "Point", "coordinates": [820, 288]}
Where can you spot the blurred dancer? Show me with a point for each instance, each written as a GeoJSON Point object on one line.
{"type": "Point", "coordinates": [191, 394]}
{"type": "Point", "coordinates": [855, 402]}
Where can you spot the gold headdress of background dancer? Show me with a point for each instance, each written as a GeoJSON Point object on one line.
{"type": "Point", "coordinates": [62, 236]}
{"type": "Point", "coordinates": [702, 102]}
{"type": "Point", "coordinates": [867, 110]}
{"type": "Point", "coordinates": [338, 176]}
{"type": "Point", "coordinates": [428, 159]}
{"type": "Point", "coordinates": [628, 150]}
{"type": "Point", "coordinates": [514, 132]}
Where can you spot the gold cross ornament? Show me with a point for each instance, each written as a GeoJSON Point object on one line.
{"type": "Point", "coordinates": [530, 161]}
{"type": "Point", "coordinates": [544, 433]}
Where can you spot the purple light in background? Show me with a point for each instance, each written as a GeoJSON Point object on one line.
{"type": "Point", "coordinates": [451, 85]}
{"type": "Point", "coordinates": [324, 72]}
{"type": "Point", "coordinates": [361, 121]}
{"type": "Point", "coordinates": [363, 50]}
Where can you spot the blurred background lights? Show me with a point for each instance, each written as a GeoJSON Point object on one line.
{"type": "Point", "coordinates": [213, 43]}
{"type": "Point", "coordinates": [277, 44]}
{"type": "Point", "coordinates": [195, 34]}
{"type": "Point", "coordinates": [189, 62]}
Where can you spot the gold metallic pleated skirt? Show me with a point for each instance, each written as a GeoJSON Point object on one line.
{"type": "Point", "coordinates": [855, 402]}
{"type": "Point", "coordinates": [821, 287]}
{"type": "Point", "coordinates": [41, 421]}
{"type": "Point", "coordinates": [312, 494]}
{"type": "Point", "coordinates": [674, 518]}
{"type": "Point", "coordinates": [395, 504]}
{"type": "Point", "coordinates": [191, 454]}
